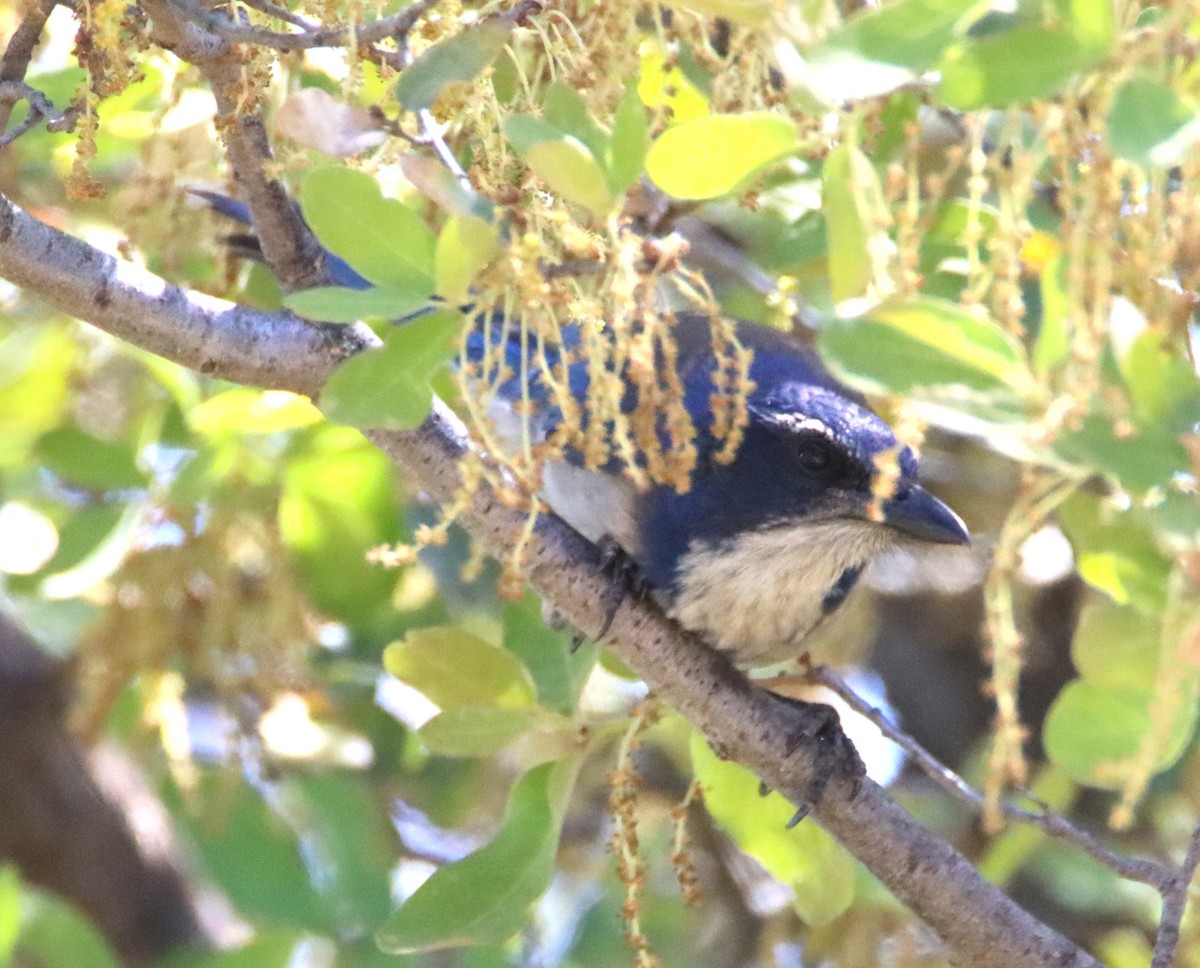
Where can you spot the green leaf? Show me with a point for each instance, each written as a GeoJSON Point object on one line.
{"type": "Point", "coordinates": [805, 857]}
{"type": "Point", "coordinates": [382, 239]}
{"type": "Point", "coordinates": [390, 386]}
{"type": "Point", "coordinates": [338, 499]}
{"type": "Point", "coordinates": [561, 160]}
{"type": "Point", "coordinates": [880, 50]}
{"type": "Point", "coordinates": [1162, 383]}
{"type": "Point", "coordinates": [55, 935]}
{"type": "Point", "coordinates": [455, 669]}
{"type": "Point", "coordinates": [1116, 647]}
{"type": "Point", "coordinates": [1023, 64]}
{"type": "Point", "coordinates": [732, 147]}
{"type": "Point", "coordinates": [920, 342]}
{"type": "Point", "coordinates": [10, 912]}
{"type": "Point", "coordinates": [1053, 338]}
{"type": "Point", "coordinates": [565, 109]}
{"type": "Point", "coordinates": [1140, 457]}
{"type": "Point", "coordinates": [92, 546]}
{"type": "Point", "coordinates": [476, 731]}
{"type": "Point", "coordinates": [1115, 552]}
{"type": "Point", "coordinates": [270, 948]}
{"type": "Point", "coordinates": [1094, 733]}
{"type": "Point", "coordinates": [246, 411]}
{"type": "Point", "coordinates": [852, 201]}
{"type": "Point", "coordinates": [85, 461]}
{"type": "Point", "coordinates": [626, 159]}
{"type": "Point", "coordinates": [465, 245]}
{"type": "Point", "coordinates": [338, 304]}
{"type": "Point", "coordinates": [485, 897]}
{"type": "Point", "coordinates": [559, 673]}
{"type": "Point", "coordinates": [1150, 124]}
{"type": "Point", "coordinates": [459, 58]}
{"type": "Point", "coordinates": [254, 859]}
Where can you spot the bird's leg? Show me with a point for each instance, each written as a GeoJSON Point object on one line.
{"type": "Point", "coordinates": [817, 727]}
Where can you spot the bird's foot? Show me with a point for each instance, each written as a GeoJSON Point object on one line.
{"type": "Point", "coordinates": [816, 727]}
{"type": "Point", "coordinates": [616, 564]}
{"type": "Point", "coordinates": [627, 579]}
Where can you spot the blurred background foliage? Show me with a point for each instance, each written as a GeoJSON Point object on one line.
{"type": "Point", "coordinates": [990, 214]}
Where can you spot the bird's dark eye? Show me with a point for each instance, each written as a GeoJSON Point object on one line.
{"type": "Point", "coordinates": [817, 455]}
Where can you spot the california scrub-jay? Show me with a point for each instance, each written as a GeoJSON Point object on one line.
{"type": "Point", "coordinates": [759, 550]}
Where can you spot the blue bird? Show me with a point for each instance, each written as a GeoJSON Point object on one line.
{"type": "Point", "coordinates": [761, 549]}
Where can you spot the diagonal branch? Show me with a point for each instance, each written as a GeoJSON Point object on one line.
{"type": "Point", "coordinates": [982, 926]}
{"type": "Point", "coordinates": [288, 245]}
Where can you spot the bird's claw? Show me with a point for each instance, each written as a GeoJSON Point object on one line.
{"type": "Point", "coordinates": [817, 726]}
{"type": "Point", "coordinates": [617, 564]}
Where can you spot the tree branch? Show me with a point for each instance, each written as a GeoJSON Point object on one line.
{"type": "Point", "coordinates": [983, 927]}
{"type": "Point", "coordinates": [20, 49]}
{"type": "Point", "coordinates": [288, 245]}
{"type": "Point", "coordinates": [1159, 876]}
{"type": "Point", "coordinates": [1174, 904]}
{"type": "Point", "coordinates": [66, 821]}
{"type": "Point", "coordinates": [212, 336]}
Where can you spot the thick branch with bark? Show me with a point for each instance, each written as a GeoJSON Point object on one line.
{"type": "Point", "coordinates": [982, 926]}
{"type": "Point", "coordinates": [65, 822]}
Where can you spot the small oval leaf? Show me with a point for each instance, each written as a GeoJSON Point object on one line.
{"type": "Point", "coordinates": [732, 148]}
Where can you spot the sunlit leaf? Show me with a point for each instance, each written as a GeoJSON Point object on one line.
{"type": "Point", "coordinates": [464, 247]}
{"type": "Point", "coordinates": [1094, 732]}
{"type": "Point", "coordinates": [852, 201]}
{"type": "Point", "coordinates": [10, 911]}
{"type": "Point", "coordinates": [1115, 552]}
{"type": "Point", "coordinates": [476, 731]}
{"type": "Point", "coordinates": [338, 304]}
{"type": "Point", "coordinates": [630, 140]}
{"type": "Point", "coordinates": [565, 108]}
{"type": "Point", "coordinates": [455, 669]}
{"type": "Point", "coordinates": [485, 897]}
{"type": "Point", "coordinates": [56, 935]}
{"type": "Point", "coordinates": [1116, 647]}
{"type": "Point", "coordinates": [338, 501]}
{"type": "Point", "coordinates": [1150, 124]}
{"type": "Point", "coordinates": [919, 342]}
{"type": "Point", "coordinates": [1022, 64]}
{"type": "Point", "coordinates": [561, 160]}
{"type": "Point", "coordinates": [733, 147]}
{"type": "Point", "coordinates": [382, 239]}
{"type": "Point", "coordinates": [883, 48]}
{"type": "Point", "coordinates": [390, 386]}
{"type": "Point", "coordinates": [461, 57]}
{"type": "Point", "coordinates": [246, 411]}
{"type": "Point", "coordinates": [667, 87]}
{"type": "Point", "coordinates": [805, 857]}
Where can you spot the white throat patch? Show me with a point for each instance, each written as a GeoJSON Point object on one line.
{"type": "Point", "coordinates": [758, 595]}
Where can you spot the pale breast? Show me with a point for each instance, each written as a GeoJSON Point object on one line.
{"type": "Point", "coordinates": [758, 595]}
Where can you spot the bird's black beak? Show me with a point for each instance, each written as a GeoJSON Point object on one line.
{"type": "Point", "coordinates": [920, 515]}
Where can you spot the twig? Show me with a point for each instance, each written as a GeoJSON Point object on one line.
{"type": "Point", "coordinates": [1174, 905]}
{"type": "Point", "coordinates": [282, 13]}
{"type": "Point", "coordinates": [20, 49]}
{"type": "Point", "coordinates": [367, 33]}
{"type": "Point", "coordinates": [288, 245]}
{"type": "Point", "coordinates": [1159, 876]}
{"type": "Point", "coordinates": [40, 109]}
